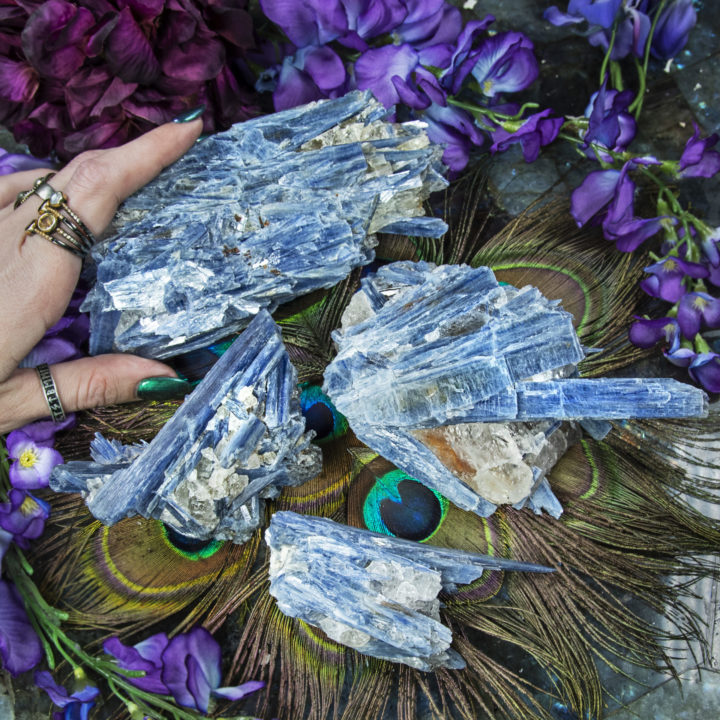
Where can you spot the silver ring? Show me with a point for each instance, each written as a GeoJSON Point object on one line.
{"type": "Point", "coordinates": [51, 394]}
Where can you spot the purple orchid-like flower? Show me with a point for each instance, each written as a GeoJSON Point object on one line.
{"type": "Point", "coordinates": [456, 130]}
{"type": "Point", "coordinates": [709, 239]}
{"type": "Point", "coordinates": [595, 12]}
{"type": "Point", "coordinates": [606, 197]}
{"type": "Point", "coordinates": [15, 162]}
{"type": "Point", "coordinates": [535, 131]}
{"type": "Point", "coordinates": [186, 667]}
{"type": "Point", "coordinates": [429, 22]}
{"type": "Point", "coordinates": [705, 370]}
{"type": "Point", "coordinates": [504, 63]}
{"type": "Point", "coordinates": [20, 648]}
{"type": "Point", "coordinates": [75, 706]}
{"type": "Point", "coordinates": [679, 354]}
{"type": "Point", "coordinates": [676, 21]}
{"type": "Point", "coordinates": [34, 459]}
{"type": "Point", "coordinates": [698, 159]}
{"type": "Point", "coordinates": [610, 125]}
{"type": "Point", "coordinates": [23, 517]}
{"type": "Point", "coordinates": [645, 333]}
{"type": "Point", "coordinates": [696, 309]}
{"type": "Point", "coordinates": [666, 278]}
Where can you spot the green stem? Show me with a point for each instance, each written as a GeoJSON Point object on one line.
{"type": "Point", "coordinates": [637, 104]}
{"type": "Point", "coordinates": [606, 59]}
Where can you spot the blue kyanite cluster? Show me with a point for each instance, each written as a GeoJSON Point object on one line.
{"type": "Point", "coordinates": [253, 217]}
{"type": "Point", "coordinates": [375, 593]}
{"type": "Point", "coordinates": [238, 438]}
{"type": "Point", "coordinates": [465, 384]}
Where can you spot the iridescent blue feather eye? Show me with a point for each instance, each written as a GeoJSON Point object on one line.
{"type": "Point", "coordinates": [320, 414]}
{"type": "Point", "coordinates": [194, 365]}
{"type": "Point", "coordinates": [190, 547]}
{"type": "Point", "coordinates": [399, 505]}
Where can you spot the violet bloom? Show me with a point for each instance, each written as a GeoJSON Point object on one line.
{"type": "Point", "coordinates": [537, 130]}
{"type": "Point", "coordinates": [709, 240]}
{"type": "Point", "coordinates": [696, 308]}
{"type": "Point", "coordinates": [676, 21]}
{"type": "Point", "coordinates": [596, 12]}
{"type": "Point", "coordinates": [14, 162]}
{"type": "Point", "coordinates": [505, 63]}
{"type": "Point", "coordinates": [20, 648]}
{"type": "Point", "coordinates": [697, 159]}
{"type": "Point", "coordinates": [456, 130]}
{"type": "Point", "coordinates": [34, 460]}
{"type": "Point", "coordinates": [610, 125]}
{"type": "Point", "coordinates": [678, 354]}
{"type": "Point", "coordinates": [429, 22]}
{"type": "Point", "coordinates": [705, 370]}
{"type": "Point", "coordinates": [666, 278]}
{"type": "Point", "coordinates": [645, 333]}
{"type": "Point", "coordinates": [186, 667]}
{"type": "Point", "coordinates": [75, 706]}
{"type": "Point", "coordinates": [23, 517]}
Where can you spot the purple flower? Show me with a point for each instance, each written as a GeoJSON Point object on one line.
{"type": "Point", "coordinates": [20, 648]}
{"type": "Point", "coordinates": [76, 706]}
{"type": "Point", "coordinates": [537, 130]}
{"type": "Point", "coordinates": [23, 516]}
{"type": "Point", "coordinates": [631, 34]}
{"type": "Point", "coordinates": [76, 76]}
{"type": "Point", "coordinates": [186, 667]}
{"type": "Point", "coordinates": [705, 370]}
{"type": "Point", "coordinates": [596, 12]}
{"type": "Point", "coordinates": [609, 123]}
{"type": "Point", "coordinates": [504, 63]}
{"type": "Point", "coordinates": [429, 22]}
{"type": "Point", "coordinates": [696, 308]}
{"type": "Point", "coordinates": [709, 238]}
{"type": "Point", "coordinates": [34, 461]}
{"type": "Point", "coordinates": [666, 278]}
{"type": "Point", "coordinates": [12, 162]}
{"type": "Point", "coordinates": [456, 130]}
{"type": "Point", "coordinates": [645, 333]}
{"type": "Point", "coordinates": [697, 159]}
{"type": "Point", "coordinates": [606, 196]}
{"type": "Point", "coordinates": [678, 354]}
{"type": "Point", "coordinates": [676, 21]}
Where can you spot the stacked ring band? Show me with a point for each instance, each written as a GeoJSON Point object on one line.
{"type": "Point", "coordinates": [51, 394]}
{"type": "Point", "coordinates": [55, 219]}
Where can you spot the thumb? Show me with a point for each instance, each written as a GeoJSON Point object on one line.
{"type": "Point", "coordinates": [87, 383]}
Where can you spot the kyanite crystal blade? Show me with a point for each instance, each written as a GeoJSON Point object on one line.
{"type": "Point", "coordinates": [375, 593]}
{"type": "Point", "coordinates": [237, 438]}
{"type": "Point", "coordinates": [250, 218]}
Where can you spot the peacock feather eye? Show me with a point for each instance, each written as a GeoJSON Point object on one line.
{"type": "Point", "coordinates": [191, 548]}
{"type": "Point", "coordinates": [399, 505]}
{"type": "Point", "coordinates": [320, 414]}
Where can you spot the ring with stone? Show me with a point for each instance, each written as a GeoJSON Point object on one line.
{"type": "Point", "coordinates": [55, 218]}
{"type": "Point", "coordinates": [51, 394]}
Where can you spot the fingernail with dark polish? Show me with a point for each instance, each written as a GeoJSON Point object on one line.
{"type": "Point", "coordinates": [163, 388]}
{"type": "Point", "coordinates": [190, 115]}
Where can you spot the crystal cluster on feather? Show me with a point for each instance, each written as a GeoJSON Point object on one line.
{"type": "Point", "coordinates": [250, 218]}
{"type": "Point", "coordinates": [238, 438]}
{"type": "Point", "coordinates": [468, 385]}
{"type": "Point", "coordinates": [374, 593]}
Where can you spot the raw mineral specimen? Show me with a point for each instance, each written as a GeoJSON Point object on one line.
{"type": "Point", "coordinates": [236, 439]}
{"type": "Point", "coordinates": [250, 218]}
{"type": "Point", "coordinates": [433, 363]}
{"type": "Point", "coordinates": [372, 592]}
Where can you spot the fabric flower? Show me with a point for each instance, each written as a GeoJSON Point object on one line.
{"type": "Point", "coordinates": [537, 130]}
{"type": "Point", "coordinates": [33, 460]}
{"type": "Point", "coordinates": [186, 667]}
{"type": "Point", "coordinates": [696, 308]}
{"type": "Point", "coordinates": [676, 21]}
{"type": "Point", "coordinates": [20, 648]}
{"type": "Point", "coordinates": [92, 74]}
{"type": "Point", "coordinates": [610, 125]}
{"type": "Point", "coordinates": [697, 159]}
{"type": "Point", "coordinates": [23, 516]}
{"type": "Point", "coordinates": [705, 370]}
{"type": "Point", "coordinates": [645, 333]}
{"type": "Point", "coordinates": [14, 162]}
{"type": "Point", "coordinates": [666, 278]}
{"type": "Point", "coordinates": [75, 706]}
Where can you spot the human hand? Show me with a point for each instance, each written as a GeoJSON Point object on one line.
{"type": "Point", "coordinates": [37, 278]}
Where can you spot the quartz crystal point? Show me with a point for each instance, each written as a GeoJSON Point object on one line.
{"type": "Point", "coordinates": [375, 593]}
{"type": "Point", "coordinates": [250, 218]}
{"type": "Point", "coordinates": [467, 386]}
{"type": "Point", "coordinates": [237, 438]}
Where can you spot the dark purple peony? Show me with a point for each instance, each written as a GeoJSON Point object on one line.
{"type": "Point", "coordinates": [610, 125]}
{"type": "Point", "coordinates": [186, 667]}
{"type": "Point", "coordinates": [535, 131]}
{"type": "Point", "coordinates": [698, 159]}
{"type": "Point", "coordinates": [75, 706]}
{"type": "Point", "coordinates": [20, 648]}
{"type": "Point", "coordinates": [95, 73]}
{"type": "Point", "coordinates": [645, 333]}
{"type": "Point", "coordinates": [666, 278]}
{"type": "Point", "coordinates": [696, 309]}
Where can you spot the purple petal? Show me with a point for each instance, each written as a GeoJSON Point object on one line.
{"type": "Point", "coordinates": [238, 692]}
{"type": "Point", "coordinates": [128, 52]}
{"type": "Point", "coordinates": [195, 61]}
{"type": "Point", "coordinates": [705, 369]}
{"type": "Point", "coordinates": [593, 194]}
{"type": "Point", "coordinates": [18, 81]}
{"type": "Point", "coordinates": [324, 66]}
{"type": "Point", "coordinates": [51, 350]}
{"type": "Point", "coordinates": [58, 694]}
{"type": "Point", "coordinates": [646, 333]}
{"type": "Point", "coordinates": [671, 32]}
{"type": "Point", "coordinates": [375, 69]}
{"type": "Point", "coordinates": [690, 314]}
{"type": "Point", "coordinates": [294, 88]}
{"type": "Point", "coordinates": [145, 656]}
{"type": "Point", "coordinates": [20, 648]}
{"type": "Point", "coordinates": [15, 162]}
{"type": "Point", "coordinates": [198, 684]}
{"type": "Point", "coordinates": [505, 64]}
{"type": "Point", "coordinates": [628, 236]}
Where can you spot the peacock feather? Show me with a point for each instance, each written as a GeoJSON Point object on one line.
{"type": "Point", "coordinates": [626, 527]}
